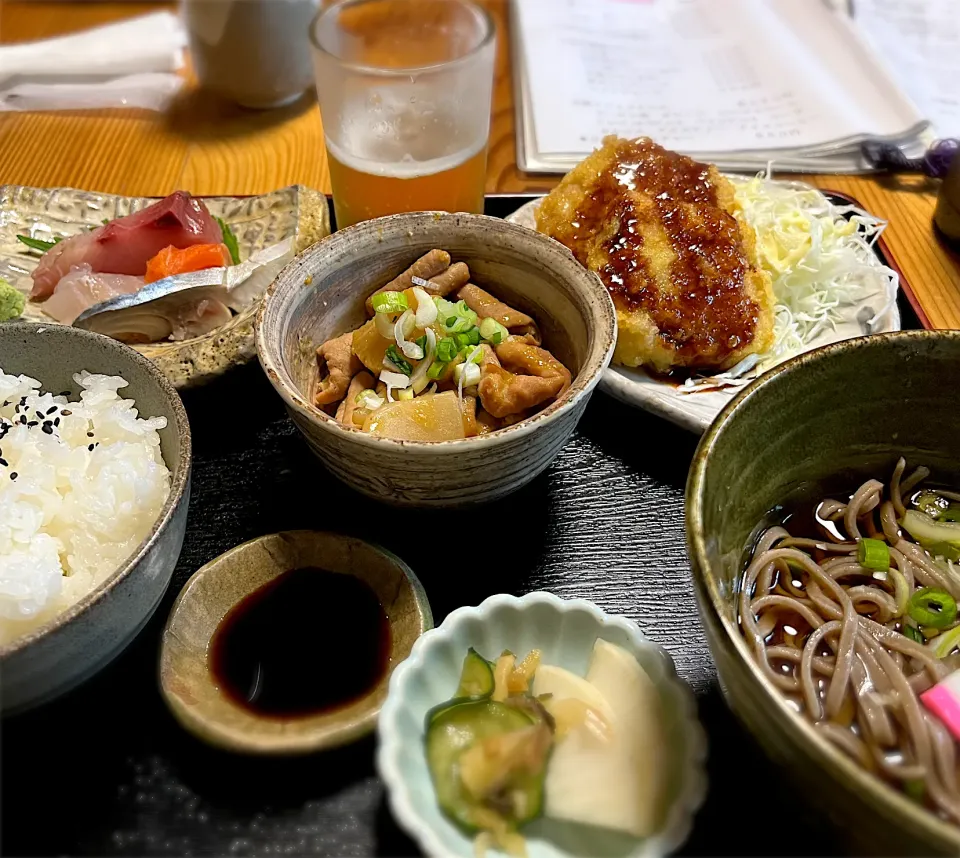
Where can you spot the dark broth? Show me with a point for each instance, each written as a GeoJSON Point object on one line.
{"type": "Point", "coordinates": [308, 642]}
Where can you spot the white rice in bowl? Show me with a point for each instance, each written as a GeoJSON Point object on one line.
{"type": "Point", "coordinates": [81, 485]}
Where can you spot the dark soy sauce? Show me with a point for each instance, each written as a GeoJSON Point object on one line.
{"type": "Point", "coordinates": [307, 642]}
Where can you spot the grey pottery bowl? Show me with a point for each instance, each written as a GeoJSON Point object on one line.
{"type": "Point", "coordinates": [834, 416]}
{"type": "Point", "coordinates": [321, 294]}
{"type": "Point", "coordinates": [77, 643]}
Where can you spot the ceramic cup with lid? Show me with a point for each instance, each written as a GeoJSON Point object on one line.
{"type": "Point", "coordinates": [253, 52]}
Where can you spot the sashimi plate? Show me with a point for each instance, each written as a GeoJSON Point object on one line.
{"type": "Point", "coordinates": [258, 222]}
{"type": "Point", "coordinates": [694, 406]}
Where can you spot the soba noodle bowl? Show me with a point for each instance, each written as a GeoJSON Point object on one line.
{"type": "Point", "coordinates": [856, 618]}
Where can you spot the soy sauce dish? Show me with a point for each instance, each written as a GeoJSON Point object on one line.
{"type": "Point", "coordinates": [285, 644]}
{"type": "Point", "coordinates": [542, 727]}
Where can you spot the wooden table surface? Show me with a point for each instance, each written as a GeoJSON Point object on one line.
{"type": "Point", "coordinates": [207, 147]}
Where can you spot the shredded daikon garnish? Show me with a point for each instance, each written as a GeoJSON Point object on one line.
{"type": "Point", "coordinates": [821, 261]}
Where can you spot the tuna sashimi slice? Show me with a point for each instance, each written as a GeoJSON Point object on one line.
{"type": "Point", "coordinates": [125, 245]}
{"type": "Point", "coordinates": [81, 288]}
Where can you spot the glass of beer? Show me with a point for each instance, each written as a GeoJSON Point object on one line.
{"type": "Point", "coordinates": [405, 89]}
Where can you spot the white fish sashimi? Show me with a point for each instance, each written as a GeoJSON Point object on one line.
{"type": "Point", "coordinates": [81, 288]}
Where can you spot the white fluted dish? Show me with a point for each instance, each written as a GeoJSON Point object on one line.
{"type": "Point", "coordinates": [321, 294]}
{"type": "Point", "coordinates": [565, 631]}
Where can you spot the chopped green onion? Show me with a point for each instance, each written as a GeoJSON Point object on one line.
{"type": "Point", "coordinates": [493, 332]}
{"type": "Point", "coordinates": [426, 310]}
{"type": "Point", "coordinates": [398, 360]}
{"type": "Point", "coordinates": [932, 504]}
{"type": "Point", "coordinates": [368, 399]}
{"type": "Point", "coordinates": [389, 302]}
{"type": "Point", "coordinates": [229, 239]}
{"type": "Point", "coordinates": [436, 370]}
{"type": "Point", "coordinates": [422, 342]}
{"type": "Point", "coordinates": [384, 323]}
{"type": "Point", "coordinates": [873, 554]}
{"type": "Point", "coordinates": [931, 606]}
{"type": "Point", "coordinates": [946, 550]}
{"type": "Point", "coordinates": [938, 537]}
{"type": "Point", "coordinates": [471, 354]}
{"type": "Point", "coordinates": [467, 374]}
{"type": "Point", "coordinates": [38, 243]}
{"type": "Point", "coordinates": [456, 318]}
{"type": "Point", "coordinates": [405, 393]}
{"type": "Point", "coordinates": [913, 633]}
{"type": "Point", "coordinates": [446, 350]}
{"type": "Point", "coordinates": [467, 339]}
{"type": "Point", "coordinates": [900, 590]}
{"type": "Point", "coordinates": [946, 643]}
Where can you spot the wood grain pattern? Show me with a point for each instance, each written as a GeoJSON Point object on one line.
{"type": "Point", "coordinates": [209, 147]}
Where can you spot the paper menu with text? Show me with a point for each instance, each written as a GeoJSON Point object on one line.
{"type": "Point", "coordinates": [920, 42]}
{"type": "Point", "coordinates": [700, 76]}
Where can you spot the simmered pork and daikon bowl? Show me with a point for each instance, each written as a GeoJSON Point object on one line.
{"type": "Point", "coordinates": [441, 359]}
{"type": "Point", "coordinates": [463, 405]}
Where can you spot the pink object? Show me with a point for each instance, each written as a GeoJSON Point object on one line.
{"type": "Point", "coordinates": [125, 245]}
{"type": "Point", "coordinates": [943, 700]}
{"type": "Point", "coordinates": [80, 288]}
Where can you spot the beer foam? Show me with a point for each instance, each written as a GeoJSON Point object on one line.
{"type": "Point", "coordinates": [402, 165]}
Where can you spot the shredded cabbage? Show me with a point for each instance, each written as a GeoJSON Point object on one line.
{"type": "Point", "coordinates": [820, 260]}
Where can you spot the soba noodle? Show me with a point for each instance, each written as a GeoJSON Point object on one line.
{"type": "Point", "coordinates": [843, 642]}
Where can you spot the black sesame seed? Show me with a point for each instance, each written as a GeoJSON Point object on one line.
{"type": "Point", "coordinates": [56, 421]}
{"type": "Point", "coordinates": [47, 428]}
{"type": "Point", "coordinates": [14, 475]}
{"type": "Point", "coordinates": [90, 447]}
{"type": "Point", "coordinates": [3, 463]}
{"type": "Point", "coordinates": [66, 413]}
{"type": "Point", "coordinates": [51, 409]}
{"type": "Point", "coordinates": [23, 401]}
{"type": "Point", "coordinates": [33, 423]}
{"type": "Point", "coordinates": [23, 419]}
{"type": "Point", "coordinates": [89, 434]}
{"type": "Point", "coordinates": [5, 404]}
{"type": "Point", "coordinates": [39, 415]}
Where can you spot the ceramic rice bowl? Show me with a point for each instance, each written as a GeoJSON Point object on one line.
{"type": "Point", "coordinates": [87, 636]}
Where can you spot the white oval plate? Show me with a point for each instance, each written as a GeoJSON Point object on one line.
{"type": "Point", "coordinates": [696, 411]}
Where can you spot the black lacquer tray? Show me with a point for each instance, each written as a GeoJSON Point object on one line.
{"type": "Point", "coordinates": [106, 770]}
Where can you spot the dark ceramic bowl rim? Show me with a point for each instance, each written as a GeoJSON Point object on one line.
{"type": "Point", "coordinates": [827, 756]}
{"type": "Point", "coordinates": [180, 476]}
{"type": "Point", "coordinates": [601, 339]}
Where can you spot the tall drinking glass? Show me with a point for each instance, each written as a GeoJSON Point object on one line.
{"type": "Point", "coordinates": [405, 89]}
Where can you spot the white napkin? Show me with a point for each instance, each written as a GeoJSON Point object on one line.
{"type": "Point", "coordinates": [131, 63]}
